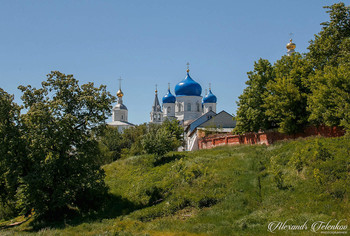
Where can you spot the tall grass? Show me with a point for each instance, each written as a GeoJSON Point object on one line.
{"type": "Point", "coordinates": [233, 190]}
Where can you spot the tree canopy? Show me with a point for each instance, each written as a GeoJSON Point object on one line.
{"type": "Point", "coordinates": [329, 44]}
{"type": "Point", "coordinates": [251, 115]}
{"type": "Point", "coordinates": [164, 138]}
{"type": "Point", "coordinates": [11, 153]}
{"type": "Point", "coordinates": [57, 169]}
{"type": "Point", "coordinates": [286, 96]}
{"type": "Point", "coordinates": [302, 90]}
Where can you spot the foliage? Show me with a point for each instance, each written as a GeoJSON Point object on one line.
{"type": "Point", "coordinates": [228, 190]}
{"type": "Point", "coordinates": [11, 154]}
{"type": "Point", "coordinates": [329, 102]}
{"type": "Point", "coordinates": [145, 138]}
{"type": "Point", "coordinates": [324, 164]}
{"type": "Point", "coordinates": [132, 138]}
{"type": "Point", "coordinates": [302, 89]}
{"type": "Point", "coordinates": [330, 86]}
{"type": "Point", "coordinates": [286, 96]}
{"type": "Point", "coordinates": [173, 127]}
{"type": "Point", "coordinates": [328, 46]}
{"type": "Point", "coordinates": [62, 174]}
{"type": "Point", "coordinates": [251, 115]}
{"type": "Point", "coordinates": [110, 143]}
{"type": "Point", "coordinates": [162, 139]}
{"type": "Point", "coordinates": [329, 53]}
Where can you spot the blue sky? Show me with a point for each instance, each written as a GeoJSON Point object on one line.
{"type": "Point", "coordinates": [149, 42]}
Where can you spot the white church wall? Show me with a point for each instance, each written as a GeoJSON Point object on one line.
{"type": "Point", "coordinates": [209, 107]}
{"type": "Point", "coordinates": [188, 107]}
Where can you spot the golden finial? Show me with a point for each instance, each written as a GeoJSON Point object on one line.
{"type": "Point", "coordinates": [209, 86]}
{"type": "Point", "coordinates": [291, 45]}
{"type": "Point", "coordinates": [120, 93]}
{"type": "Point", "coordinates": [169, 86]}
{"type": "Point", "coordinates": [156, 89]}
{"type": "Point", "coordinates": [188, 67]}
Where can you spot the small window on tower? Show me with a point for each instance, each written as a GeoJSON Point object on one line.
{"type": "Point", "coordinates": [210, 108]}
{"type": "Point", "coordinates": [188, 106]}
{"type": "Point", "coordinates": [168, 110]}
{"type": "Point", "coordinates": [179, 106]}
{"type": "Point", "coordinates": [198, 108]}
{"type": "Point", "coordinates": [122, 117]}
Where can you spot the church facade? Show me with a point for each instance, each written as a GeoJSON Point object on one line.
{"type": "Point", "coordinates": [187, 104]}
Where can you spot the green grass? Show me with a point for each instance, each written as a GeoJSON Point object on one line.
{"type": "Point", "coordinates": [233, 190]}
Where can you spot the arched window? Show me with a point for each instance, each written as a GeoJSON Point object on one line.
{"type": "Point", "coordinates": [179, 106]}
{"type": "Point", "coordinates": [188, 106]}
{"type": "Point", "coordinates": [122, 117]}
{"type": "Point", "coordinates": [168, 110]}
{"type": "Point", "coordinates": [198, 108]}
{"type": "Point", "coordinates": [210, 108]}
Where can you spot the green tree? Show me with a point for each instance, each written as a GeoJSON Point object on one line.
{"type": "Point", "coordinates": [327, 47]}
{"type": "Point", "coordinates": [329, 102]}
{"type": "Point", "coordinates": [158, 142]}
{"type": "Point", "coordinates": [11, 154]}
{"type": "Point", "coordinates": [286, 96]}
{"type": "Point", "coordinates": [111, 145]}
{"type": "Point", "coordinates": [251, 115]}
{"type": "Point", "coordinates": [132, 139]}
{"type": "Point", "coordinates": [63, 174]}
{"type": "Point", "coordinates": [164, 138]}
{"type": "Point", "coordinates": [177, 131]}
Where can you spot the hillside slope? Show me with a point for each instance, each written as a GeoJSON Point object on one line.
{"type": "Point", "coordinates": [234, 190]}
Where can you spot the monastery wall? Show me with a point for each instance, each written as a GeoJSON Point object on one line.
{"type": "Point", "coordinates": [266, 138]}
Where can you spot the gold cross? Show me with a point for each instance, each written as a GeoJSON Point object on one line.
{"type": "Point", "coordinates": [120, 82]}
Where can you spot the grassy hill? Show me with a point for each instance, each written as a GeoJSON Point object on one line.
{"type": "Point", "coordinates": [234, 190]}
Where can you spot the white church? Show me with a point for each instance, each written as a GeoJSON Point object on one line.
{"type": "Point", "coordinates": [120, 113]}
{"type": "Point", "coordinates": [187, 105]}
{"type": "Point", "coordinates": [194, 112]}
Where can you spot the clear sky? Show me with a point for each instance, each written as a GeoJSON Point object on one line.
{"type": "Point", "coordinates": [149, 42]}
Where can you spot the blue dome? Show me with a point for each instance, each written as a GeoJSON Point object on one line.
{"type": "Point", "coordinates": [169, 98]}
{"type": "Point", "coordinates": [188, 87]}
{"type": "Point", "coordinates": [210, 98]}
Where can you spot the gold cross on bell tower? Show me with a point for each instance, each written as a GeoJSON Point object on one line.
{"type": "Point", "coordinates": [120, 82]}
{"type": "Point", "coordinates": [188, 67]}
